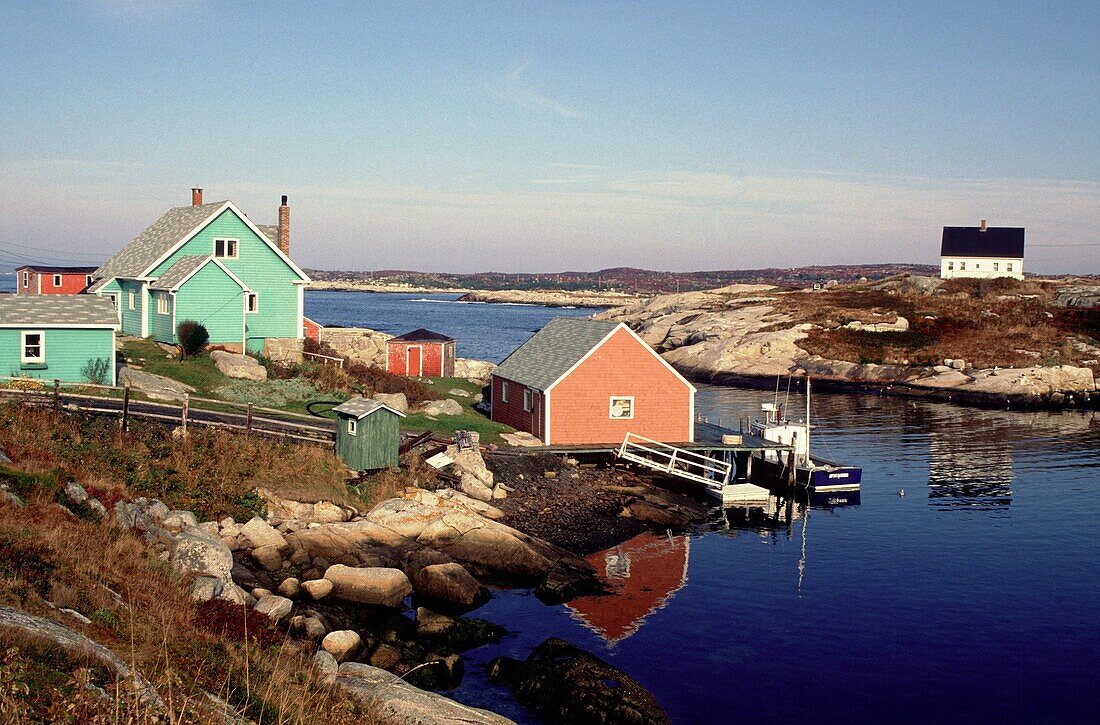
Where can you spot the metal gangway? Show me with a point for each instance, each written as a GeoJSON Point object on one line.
{"type": "Point", "coordinates": [673, 461]}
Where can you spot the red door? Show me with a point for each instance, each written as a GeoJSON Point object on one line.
{"type": "Point", "coordinates": [413, 363]}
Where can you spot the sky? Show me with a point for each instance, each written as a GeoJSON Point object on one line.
{"type": "Point", "coordinates": [535, 136]}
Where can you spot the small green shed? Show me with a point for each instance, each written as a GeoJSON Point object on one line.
{"type": "Point", "coordinates": [367, 434]}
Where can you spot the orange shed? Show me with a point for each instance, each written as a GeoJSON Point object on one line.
{"type": "Point", "coordinates": [421, 353]}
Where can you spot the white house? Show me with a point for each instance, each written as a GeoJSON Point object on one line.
{"type": "Point", "coordinates": [982, 252]}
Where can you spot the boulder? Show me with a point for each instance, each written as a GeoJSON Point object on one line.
{"type": "Point", "coordinates": [397, 401]}
{"type": "Point", "coordinates": [75, 492]}
{"type": "Point", "coordinates": [268, 557]}
{"type": "Point", "coordinates": [205, 588]}
{"type": "Point", "coordinates": [274, 606]}
{"type": "Point", "coordinates": [449, 582]}
{"type": "Point", "coordinates": [198, 553]}
{"type": "Point", "coordinates": [385, 656]}
{"type": "Point", "coordinates": [289, 587]}
{"type": "Point", "coordinates": [376, 585]}
{"type": "Point", "coordinates": [474, 488]}
{"type": "Point", "coordinates": [479, 371]}
{"type": "Point", "coordinates": [358, 344]}
{"type": "Point", "coordinates": [459, 393]}
{"type": "Point", "coordinates": [392, 700]}
{"type": "Point", "coordinates": [317, 589]}
{"type": "Point", "coordinates": [430, 623]}
{"type": "Point", "coordinates": [155, 387]}
{"type": "Point", "coordinates": [567, 684]}
{"type": "Point", "coordinates": [261, 533]}
{"type": "Point", "coordinates": [436, 408]}
{"type": "Point", "coordinates": [284, 509]}
{"type": "Point", "coordinates": [326, 665]}
{"type": "Point", "coordinates": [179, 520]}
{"type": "Point", "coordinates": [234, 365]}
{"type": "Point", "coordinates": [341, 644]}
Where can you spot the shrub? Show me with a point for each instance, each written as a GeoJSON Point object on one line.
{"type": "Point", "coordinates": [192, 336]}
{"type": "Point", "coordinates": [97, 372]}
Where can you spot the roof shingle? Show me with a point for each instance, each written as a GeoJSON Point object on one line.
{"type": "Point", "coordinates": [163, 234]}
{"type": "Point", "coordinates": [180, 271]}
{"type": "Point", "coordinates": [362, 407]}
{"type": "Point", "coordinates": [973, 242]}
{"type": "Point", "coordinates": [57, 311]}
{"type": "Point", "coordinates": [550, 352]}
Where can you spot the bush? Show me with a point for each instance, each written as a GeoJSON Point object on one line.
{"type": "Point", "coordinates": [97, 372]}
{"type": "Point", "coordinates": [192, 336]}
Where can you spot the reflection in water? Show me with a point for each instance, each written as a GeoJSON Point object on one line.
{"type": "Point", "coordinates": [643, 574]}
{"type": "Point", "coordinates": [970, 462]}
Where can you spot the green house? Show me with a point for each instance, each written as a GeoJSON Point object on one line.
{"type": "Point", "coordinates": [209, 263]}
{"type": "Point", "coordinates": [70, 338]}
{"type": "Point", "coordinates": [367, 434]}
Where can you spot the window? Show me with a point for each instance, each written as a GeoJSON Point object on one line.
{"type": "Point", "coordinates": [34, 348]}
{"type": "Point", "coordinates": [87, 280]}
{"type": "Point", "coordinates": [253, 302]}
{"type": "Point", "coordinates": [57, 280]}
{"type": "Point", "coordinates": [26, 279]}
{"type": "Point", "coordinates": [504, 391]}
{"type": "Point", "coordinates": [977, 265]}
{"type": "Point", "coordinates": [351, 426]}
{"type": "Point", "coordinates": [1008, 266]}
{"type": "Point", "coordinates": [950, 266]}
{"type": "Point", "coordinates": [528, 400]}
{"type": "Point", "coordinates": [225, 248]}
{"type": "Point", "coordinates": [130, 300]}
{"type": "Point", "coordinates": [622, 407]}
{"type": "Point", "coordinates": [996, 266]}
{"type": "Point", "coordinates": [162, 303]}
{"type": "Point", "coordinates": [962, 266]}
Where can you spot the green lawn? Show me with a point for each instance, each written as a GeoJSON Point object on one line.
{"type": "Point", "coordinates": [198, 372]}
{"type": "Point", "coordinates": [469, 420]}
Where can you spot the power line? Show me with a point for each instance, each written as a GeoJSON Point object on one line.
{"type": "Point", "coordinates": [36, 248]}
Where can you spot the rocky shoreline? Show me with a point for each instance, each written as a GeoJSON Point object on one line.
{"type": "Point", "coordinates": [552, 298]}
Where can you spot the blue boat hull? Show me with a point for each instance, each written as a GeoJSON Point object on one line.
{"type": "Point", "coordinates": [833, 478]}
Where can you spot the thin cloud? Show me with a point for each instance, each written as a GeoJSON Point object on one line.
{"type": "Point", "coordinates": [515, 87]}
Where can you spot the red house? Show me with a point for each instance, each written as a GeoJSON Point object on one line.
{"type": "Point", "coordinates": [311, 330]}
{"type": "Point", "coordinates": [582, 381]}
{"type": "Point", "coordinates": [34, 280]}
{"type": "Point", "coordinates": [421, 353]}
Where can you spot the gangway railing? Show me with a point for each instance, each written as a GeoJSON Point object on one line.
{"type": "Point", "coordinates": [675, 461]}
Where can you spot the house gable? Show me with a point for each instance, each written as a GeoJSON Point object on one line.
{"type": "Point", "coordinates": [214, 298]}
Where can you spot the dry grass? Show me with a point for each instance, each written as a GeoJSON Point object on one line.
{"type": "Point", "coordinates": [140, 609]}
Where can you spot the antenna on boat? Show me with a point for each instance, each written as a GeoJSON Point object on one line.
{"type": "Point", "coordinates": [807, 419]}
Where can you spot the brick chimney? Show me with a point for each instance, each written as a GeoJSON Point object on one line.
{"type": "Point", "coordinates": [284, 227]}
{"type": "Point", "coordinates": [982, 227]}
{"type": "Point", "coordinates": [196, 196]}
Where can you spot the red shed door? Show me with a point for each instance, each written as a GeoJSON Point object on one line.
{"type": "Point", "coordinates": [414, 363]}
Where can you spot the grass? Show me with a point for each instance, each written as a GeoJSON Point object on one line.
{"type": "Point", "coordinates": [470, 419]}
{"type": "Point", "coordinates": [199, 372]}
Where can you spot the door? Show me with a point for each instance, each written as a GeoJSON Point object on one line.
{"type": "Point", "coordinates": [414, 363]}
{"type": "Point", "coordinates": [114, 301]}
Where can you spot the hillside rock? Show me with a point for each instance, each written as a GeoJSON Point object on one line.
{"type": "Point", "coordinates": [154, 386]}
{"type": "Point", "coordinates": [359, 345]}
{"type": "Point", "coordinates": [477, 370]}
{"type": "Point", "coordinates": [341, 644]}
{"type": "Point", "coordinates": [397, 401]}
{"type": "Point", "coordinates": [394, 701]}
{"type": "Point", "coordinates": [381, 586]}
{"type": "Point", "coordinates": [284, 509]}
{"type": "Point", "coordinates": [449, 582]}
{"type": "Point", "coordinates": [235, 365]}
{"type": "Point", "coordinates": [447, 406]}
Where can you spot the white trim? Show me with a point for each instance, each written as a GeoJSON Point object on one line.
{"type": "Point", "coordinates": [23, 359]}
{"type": "Point", "coordinates": [304, 278]}
{"type": "Point", "coordinates": [225, 244]}
{"type": "Point", "coordinates": [650, 350]}
{"type": "Point", "coordinates": [26, 279]}
{"type": "Point", "coordinates": [58, 326]}
{"type": "Point", "coordinates": [88, 281]}
{"type": "Point", "coordinates": [162, 302]}
{"type": "Point", "coordinates": [38, 281]}
{"type": "Point", "coordinates": [57, 280]}
{"type": "Point", "coordinates": [611, 407]}
{"type": "Point", "coordinates": [173, 330]}
{"type": "Point", "coordinates": [196, 270]}
{"type": "Point", "coordinates": [302, 315]}
{"type": "Point", "coordinates": [131, 303]}
{"type": "Point", "coordinates": [145, 309]}
{"type": "Point", "coordinates": [248, 297]}
{"type": "Point", "coordinates": [503, 391]}
{"type": "Point", "coordinates": [528, 400]}
{"type": "Point", "coordinates": [546, 417]}
{"type": "Point", "coordinates": [421, 358]}
{"type": "Point", "coordinates": [353, 424]}
{"type": "Point", "coordinates": [380, 407]}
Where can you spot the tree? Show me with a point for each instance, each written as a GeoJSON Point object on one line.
{"type": "Point", "coordinates": [193, 338]}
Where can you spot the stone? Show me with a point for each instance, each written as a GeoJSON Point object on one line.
{"type": "Point", "coordinates": [392, 700]}
{"type": "Point", "coordinates": [210, 527]}
{"type": "Point", "coordinates": [479, 371]}
{"type": "Point", "coordinates": [205, 588]}
{"type": "Point", "coordinates": [155, 387]}
{"type": "Point", "coordinates": [75, 492]}
{"type": "Point", "coordinates": [459, 393]}
{"type": "Point", "coordinates": [326, 665]}
{"type": "Point", "coordinates": [235, 594]}
{"type": "Point", "coordinates": [75, 615]}
{"type": "Point", "coordinates": [289, 587]}
{"type": "Point", "coordinates": [226, 523]}
{"type": "Point", "coordinates": [958, 364]}
{"type": "Point", "coordinates": [474, 488]}
{"type": "Point", "coordinates": [268, 557]}
{"type": "Point", "coordinates": [235, 365]}
{"type": "Point", "coordinates": [385, 657]}
{"type": "Point", "coordinates": [196, 552]}
{"type": "Point", "coordinates": [521, 439]}
{"type": "Point", "coordinates": [449, 582]}
{"type": "Point", "coordinates": [397, 401]}
{"type": "Point", "coordinates": [274, 606]}
{"type": "Point", "coordinates": [313, 628]}
{"type": "Point", "coordinates": [436, 408]}
{"type": "Point", "coordinates": [179, 520]}
{"type": "Point", "coordinates": [260, 592]}
{"type": "Point", "coordinates": [380, 586]}
{"type": "Point", "coordinates": [261, 533]}
{"type": "Point", "coordinates": [317, 589]}
{"type": "Point", "coordinates": [357, 344]}
{"type": "Point", "coordinates": [430, 623]}
{"type": "Point", "coordinates": [299, 513]}
{"type": "Point", "coordinates": [341, 644]}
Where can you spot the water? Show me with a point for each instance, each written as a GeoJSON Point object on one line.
{"type": "Point", "coordinates": [974, 596]}
{"type": "Point", "coordinates": [484, 331]}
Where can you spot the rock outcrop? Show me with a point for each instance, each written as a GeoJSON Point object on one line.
{"type": "Point", "coordinates": [235, 365]}
{"type": "Point", "coordinates": [394, 701]}
{"type": "Point", "coordinates": [155, 386]}
{"type": "Point", "coordinates": [357, 344]}
{"type": "Point", "coordinates": [551, 298]}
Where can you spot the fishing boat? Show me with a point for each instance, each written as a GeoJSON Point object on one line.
{"type": "Point", "coordinates": [816, 474]}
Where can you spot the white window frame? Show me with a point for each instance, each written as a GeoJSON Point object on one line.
{"type": "Point", "coordinates": [57, 280]}
{"type": "Point", "coordinates": [162, 303]}
{"type": "Point", "coordinates": [996, 266]}
{"type": "Point", "coordinates": [950, 266]}
{"type": "Point", "coordinates": [611, 407]}
{"type": "Point", "coordinates": [962, 266]}
{"type": "Point", "coordinates": [1008, 266]}
{"type": "Point", "coordinates": [131, 303]}
{"type": "Point", "coordinates": [504, 391]}
{"type": "Point", "coordinates": [226, 242]}
{"type": "Point", "coordinates": [23, 357]}
{"type": "Point", "coordinates": [26, 278]}
{"type": "Point", "coordinates": [251, 302]}
{"type": "Point", "coordinates": [87, 280]}
{"type": "Point", "coordinates": [528, 400]}
{"type": "Point", "coordinates": [353, 425]}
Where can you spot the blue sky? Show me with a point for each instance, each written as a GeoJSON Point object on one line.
{"type": "Point", "coordinates": [545, 136]}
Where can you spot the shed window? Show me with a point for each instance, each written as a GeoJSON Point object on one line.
{"type": "Point", "coordinates": [504, 392]}
{"type": "Point", "coordinates": [162, 303]}
{"type": "Point", "coordinates": [622, 407]}
{"type": "Point", "coordinates": [26, 279]}
{"type": "Point", "coordinates": [950, 266]}
{"type": "Point", "coordinates": [1008, 266]}
{"type": "Point", "coordinates": [33, 348]}
{"type": "Point", "coordinates": [996, 266]}
{"type": "Point", "coordinates": [57, 280]}
{"type": "Point", "coordinates": [225, 248]}
{"type": "Point", "coordinates": [253, 302]}
{"type": "Point", "coordinates": [977, 265]}
{"type": "Point", "coordinates": [528, 400]}
{"type": "Point", "coordinates": [962, 266]}
{"type": "Point", "coordinates": [351, 426]}
{"type": "Point", "coordinates": [130, 300]}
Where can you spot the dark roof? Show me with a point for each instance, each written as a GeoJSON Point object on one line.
{"type": "Point", "coordinates": [57, 270]}
{"type": "Point", "coordinates": [422, 335]}
{"type": "Point", "coordinates": [543, 359]}
{"type": "Point", "coordinates": [973, 242]}
{"type": "Point", "coordinates": [57, 311]}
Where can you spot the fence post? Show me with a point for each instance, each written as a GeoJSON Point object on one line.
{"type": "Point", "coordinates": [183, 413]}
{"type": "Point", "coordinates": [126, 409]}
{"type": "Point", "coordinates": [248, 425]}
{"type": "Point", "coordinates": [56, 394]}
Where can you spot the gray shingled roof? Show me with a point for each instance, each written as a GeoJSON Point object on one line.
{"type": "Point", "coordinates": [362, 407]}
{"type": "Point", "coordinates": [149, 246]}
{"type": "Point", "coordinates": [56, 311]}
{"type": "Point", "coordinates": [270, 231]}
{"type": "Point", "coordinates": [539, 362]}
{"type": "Point", "coordinates": [98, 284]}
{"type": "Point", "coordinates": [177, 272]}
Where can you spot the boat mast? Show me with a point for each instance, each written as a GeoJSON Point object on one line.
{"type": "Point", "coordinates": [807, 419]}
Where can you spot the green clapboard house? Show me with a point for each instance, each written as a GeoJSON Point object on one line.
{"type": "Point", "coordinates": [70, 338]}
{"type": "Point", "coordinates": [367, 434]}
{"type": "Point", "coordinates": [209, 263]}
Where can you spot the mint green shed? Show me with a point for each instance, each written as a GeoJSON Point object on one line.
{"type": "Point", "coordinates": [58, 337]}
{"type": "Point", "coordinates": [368, 434]}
